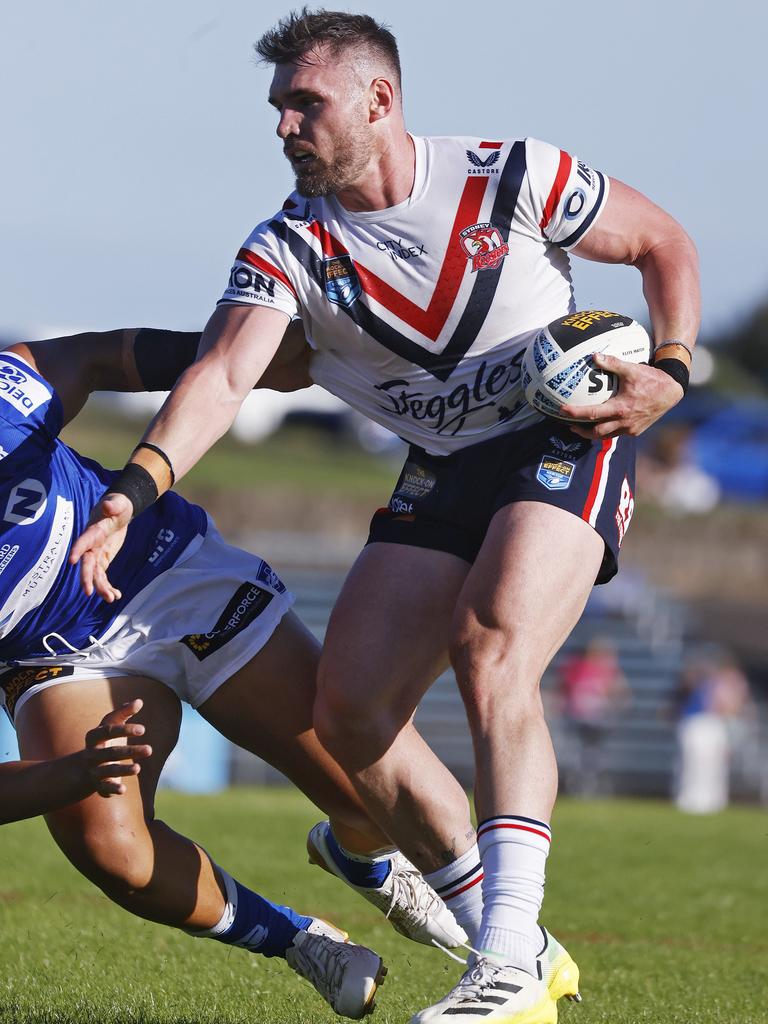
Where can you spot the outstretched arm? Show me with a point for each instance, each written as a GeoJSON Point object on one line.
{"type": "Point", "coordinates": [237, 345]}
{"type": "Point", "coordinates": [145, 359]}
{"type": "Point", "coordinates": [635, 231]}
{"type": "Point", "coordinates": [29, 788]}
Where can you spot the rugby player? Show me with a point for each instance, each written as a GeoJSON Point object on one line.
{"type": "Point", "coordinates": [194, 620]}
{"type": "Point", "coordinates": [422, 268]}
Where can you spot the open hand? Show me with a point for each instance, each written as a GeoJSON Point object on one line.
{"type": "Point", "coordinates": [104, 761]}
{"type": "Point", "coordinates": [99, 543]}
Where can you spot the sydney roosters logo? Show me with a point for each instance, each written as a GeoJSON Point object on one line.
{"type": "Point", "coordinates": [484, 245]}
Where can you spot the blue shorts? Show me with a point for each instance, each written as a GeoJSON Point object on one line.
{"type": "Point", "coordinates": [446, 502]}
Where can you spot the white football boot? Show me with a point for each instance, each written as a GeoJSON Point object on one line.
{"type": "Point", "coordinates": [344, 974]}
{"type": "Point", "coordinates": [493, 992]}
{"type": "Point", "coordinates": [413, 908]}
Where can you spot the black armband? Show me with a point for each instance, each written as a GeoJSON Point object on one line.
{"type": "Point", "coordinates": [137, 484]}
{"type": "Point", "coordinates": [162, 356]}
{"type": "Point", "coordinates": [676, 369]}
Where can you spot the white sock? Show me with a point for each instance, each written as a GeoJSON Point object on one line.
{"type": "Point", "coordinates": [227, 917]}
{"type": "Point", "coordinates": [514, 852]}
{"type": "Point", "coordinates": [458, 883]}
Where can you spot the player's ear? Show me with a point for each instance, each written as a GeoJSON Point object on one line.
{"type": "Point", "coordinates": [381, 99]}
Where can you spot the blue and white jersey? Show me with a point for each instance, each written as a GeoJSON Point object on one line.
{"type": "Point", "coordinates": [47, 492]}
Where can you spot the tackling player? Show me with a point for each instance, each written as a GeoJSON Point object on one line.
{"type": "Point", "coordinates": [423, 267]}
{"type": "Point", "coordinates": [194, 619]}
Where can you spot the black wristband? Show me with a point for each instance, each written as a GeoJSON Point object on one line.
{"type": "Point", "coordinates": [162, 356]}
{"type": "Point", "coordinates": [676, 369]}
{"type": "Point", "coordinates": [137, 484]}
{"type": "Point", "coordinates": [161, 453]}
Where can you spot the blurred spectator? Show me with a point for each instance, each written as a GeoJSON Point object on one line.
{"type": "Point", "coordinates": [669, 475]}
{"type": "Point", "coordinates": [713, 705]}
{"type": "Point", "coordinates": [593, 691]}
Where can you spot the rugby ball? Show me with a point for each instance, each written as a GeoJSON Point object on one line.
{"type": "Point", "coordinates": [558, 367]}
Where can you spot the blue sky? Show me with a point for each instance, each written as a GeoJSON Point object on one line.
{"type": "Point", "coordinates": [138, 148]}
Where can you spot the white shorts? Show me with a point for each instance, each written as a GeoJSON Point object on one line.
{"type": "Point", "coordinates": [192, 628]}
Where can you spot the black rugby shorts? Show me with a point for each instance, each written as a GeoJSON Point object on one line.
{"type": "Point", "coordinates": [445, 502]}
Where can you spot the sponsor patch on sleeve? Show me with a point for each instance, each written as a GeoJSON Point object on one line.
{"type": "Point", "coordinates": [21, 390]}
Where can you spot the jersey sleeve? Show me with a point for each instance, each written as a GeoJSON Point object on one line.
{"type": "Point", "coordinates": [30, 410]}
{"type": "Point", "coordinates": [258, 276]}
{"type": "Point", "coordinates": [566, 196]}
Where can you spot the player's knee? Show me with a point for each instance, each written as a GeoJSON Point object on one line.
{"type": "Point", "coordinates": [348, 724]}
{"type": "Point", "coordinates": [112, 856]}
{"type": "Point", "coordinates": [337, 720]}
{"type": "Point", "coordinates": [478, 650]}
{"type": "Point", "coordinates": [495, 674]}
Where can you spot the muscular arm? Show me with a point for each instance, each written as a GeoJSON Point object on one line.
{"type": "Point", "coordinates": [122, 360]}
{"type": "Point", "coordinates": [634, 231]}
{"type": "Point", "coordinates": [29, 788]}
{"type": "Point", "coordinates": [82, 363]}
{"type": "Point", "coordinates": [238, 344]}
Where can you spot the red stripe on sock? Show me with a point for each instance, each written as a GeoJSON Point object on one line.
{"type": "Point", "coordinates": [464, 888]}
{"type": "Point", "coordinates": [521, 828]}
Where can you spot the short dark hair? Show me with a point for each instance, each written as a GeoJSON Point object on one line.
{"type": "Point", "coordinates": [301, 31]}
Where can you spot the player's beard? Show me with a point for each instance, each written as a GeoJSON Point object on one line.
{"type": "Point", "coordinates": [351, 156]}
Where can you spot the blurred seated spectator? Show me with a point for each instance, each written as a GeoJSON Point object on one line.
{"type": "Point", "coordinates": [593, 691]}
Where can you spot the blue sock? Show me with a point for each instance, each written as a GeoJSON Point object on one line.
{"type": "Point", "coordinates": [255, 923]}
{"type": "Point", "coordinates": [364, 872]}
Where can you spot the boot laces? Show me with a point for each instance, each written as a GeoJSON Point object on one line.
{"type": "Point", "coordinates": [411, 896]}
{"type": "Point", "coordinates": [479, 977]}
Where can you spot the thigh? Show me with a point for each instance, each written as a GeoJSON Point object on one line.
{"type": "Point", "coordinates": [267, 707]}
{"type": "Point", "coordinates": [53, 723]}
{"type": "Point", "coordinates": [388, 635]}
{"type": "Point", "coordinates": [529, 584]}
{"type": "Point", "coordinates": [269, 700]}
{"type": "Point", "coordinates": [593, 480]}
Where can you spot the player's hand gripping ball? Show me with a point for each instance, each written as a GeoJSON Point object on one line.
{"type": "Point", "coordinates": [558, 367]}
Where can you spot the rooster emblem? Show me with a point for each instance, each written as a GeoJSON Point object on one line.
{"type": "Point", "coordinates": [484, 245]}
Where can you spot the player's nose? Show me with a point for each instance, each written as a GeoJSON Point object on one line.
{"type": "Point", "coordinates": [288, 124]}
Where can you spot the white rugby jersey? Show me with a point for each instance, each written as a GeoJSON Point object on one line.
{"type": "Point", "coordinates": [419, 314]}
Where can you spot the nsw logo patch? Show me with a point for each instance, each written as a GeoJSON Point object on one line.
{"type": "Point", "coordinates": [246, 604]}
{"type": "Point", "coordinates": [342, 285]}
{"type": "Point", "coordinates": [555, 474]}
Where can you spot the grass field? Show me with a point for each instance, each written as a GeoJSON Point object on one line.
{"type": "Point", "coordinates": [296, 459]}
{"type": "Point", "coordinates": [665, 914]}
